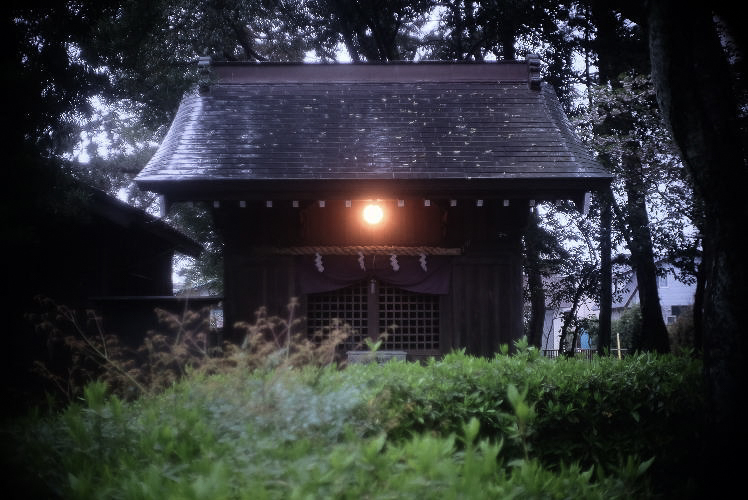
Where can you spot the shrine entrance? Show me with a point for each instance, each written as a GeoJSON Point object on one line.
{"type": "Point", "coordinates": [403, 320]}
{"type": "Point", "coordinates": [322, 177]}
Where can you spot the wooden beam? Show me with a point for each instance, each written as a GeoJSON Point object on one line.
{"type": "Point", "coordinates": [356, 249]}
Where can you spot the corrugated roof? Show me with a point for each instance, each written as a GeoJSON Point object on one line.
{"type": "Point", "coordinates": [252, 131]}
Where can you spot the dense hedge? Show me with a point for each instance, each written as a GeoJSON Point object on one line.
{"type": "Point", "coordinates": [463, 427]}
{"type": "Point", "coordinates": [595, 412]}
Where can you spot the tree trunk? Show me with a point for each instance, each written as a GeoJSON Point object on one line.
{"type": "Point", "coordinates": [537, 305]}
{"type": "Point", "coordinates": [698, 299]}
{"type": "Point", "coordinates": [508, 39]}
{"type": "Point", "coordinates": [692, 79]}
{"type": "Point", "coordinates": [654, 332]}
{"type": "Point", "coordinates": [606, 280]}
{"type": "Point", "coordinates": [606, 41]}
{"type": "Point", "coordinates": [565, 348]}
{"type": "Point", "coordinates": [570, 317]}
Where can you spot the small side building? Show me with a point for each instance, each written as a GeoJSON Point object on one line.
{"type": "Point", "coordinates": [450, 156]}
{"type": "Point", "coordinates": [95, 253]}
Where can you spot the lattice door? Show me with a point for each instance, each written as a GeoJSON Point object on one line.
{"type": "Point", "coordinates": [348, 305]}
{"type": "Point", "coordinates": [411, 320]}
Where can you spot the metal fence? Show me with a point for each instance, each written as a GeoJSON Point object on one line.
{"type": "Point", "coordinates": [584, 353]}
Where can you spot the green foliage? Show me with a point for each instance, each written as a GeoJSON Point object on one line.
{"type": "Point", "coordinates": [628, 328]}
{"type": "Point", "coordinates": [370, 31]}
{"type": "Point", "coordinates": [515, 426]}
{"type": "Point", "coordinates": [196, 221]}
{"type": "Point", "coordinates": [278, 417]}
{"type": "Point", "coordinates": [595, 412]}
{"type": "Point", "coordinates": [508, 427]}
{"type": "Point", "coordinates": [625, 122]}
{"type": "Point", "coordinates": [682, 332]}
{"type": "Point", "coordinates": [79, 352]}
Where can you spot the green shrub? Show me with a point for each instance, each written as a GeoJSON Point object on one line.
{"type": "Point", "coordinates": [627, 328]}
{"type": "Point", "coordinates": [682, 332]}
{"type": "Point", "coordinates": [596, 412]}
{"type": "Point", "coordinates": [518, 426]}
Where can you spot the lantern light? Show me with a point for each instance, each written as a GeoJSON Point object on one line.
{"type": "Point", "coordinates": [373, 214]}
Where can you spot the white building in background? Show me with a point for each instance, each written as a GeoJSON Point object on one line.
{"type": "Point", "coordinates": [675, 297]}
{"type": "Point", "coordinates": [554, 320]}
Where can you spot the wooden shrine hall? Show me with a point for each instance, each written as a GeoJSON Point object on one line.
{"type": "Point", "coordinates": [392, 196]}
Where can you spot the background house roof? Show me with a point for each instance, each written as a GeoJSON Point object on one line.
{"type": "Point", "coordinates": [135, 219]}
{"type": "Point", "coordinates": [302, 127]}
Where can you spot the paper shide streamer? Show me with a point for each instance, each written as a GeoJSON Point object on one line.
{"type": "Point", "coordinates": [395, 264]}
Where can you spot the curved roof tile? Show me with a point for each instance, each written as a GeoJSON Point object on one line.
{"type": "Point", "coordinates": [288, 126]}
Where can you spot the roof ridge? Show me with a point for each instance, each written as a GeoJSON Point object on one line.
{"type": "Point", "coordinates": [443, 71]}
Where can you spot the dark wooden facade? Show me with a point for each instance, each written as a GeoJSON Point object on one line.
{"type": "Point", "coordinates": [103, 255]}
{"type": "Point", "coordinates": [483, 242]}
{"type": "Point", "coordinates": [454, 154]}
{"type": "Point", "coordinates": [108, 248]}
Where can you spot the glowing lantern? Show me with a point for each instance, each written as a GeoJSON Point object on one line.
{"type": "Point", "coordinates": [373, 214]}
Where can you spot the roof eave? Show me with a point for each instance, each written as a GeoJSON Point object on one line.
{"type": "Point", "coordinates": [554, 188]}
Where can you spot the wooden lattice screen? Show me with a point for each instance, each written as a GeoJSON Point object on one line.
{"type": "Point", "coordinates": [411, 320]}
{"type": "Point", "coordinates": [415, 317]}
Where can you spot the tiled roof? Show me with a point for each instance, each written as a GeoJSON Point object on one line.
{"type": "Point", "coordinates": [255, 130]}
